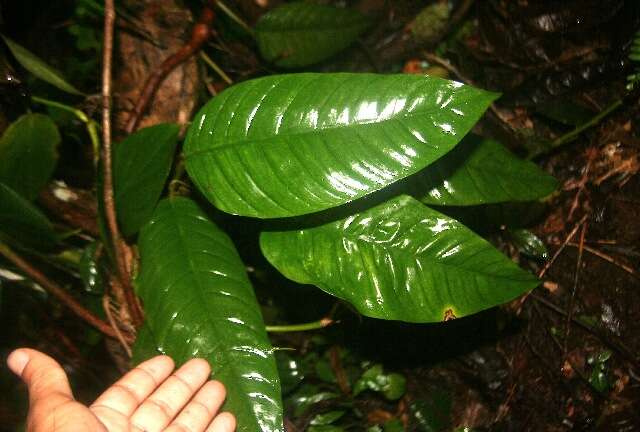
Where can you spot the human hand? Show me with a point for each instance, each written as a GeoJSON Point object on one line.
{"type": "Point", "coordinates": [147, 399]}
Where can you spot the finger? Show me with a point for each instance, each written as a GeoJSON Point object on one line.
{"type": "Point", "coordinates": [161, 407]}
{"type": "Point", "coordinates": [132, 389]}
{"type": "Point", "coordinates": [225, 422]}
{"type": "Point", "coordinates": [200, 410]}
{"type": "Point", "coordinates": [43, 375]}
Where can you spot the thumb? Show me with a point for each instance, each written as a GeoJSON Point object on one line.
{"type": "Point", "coordinates": [43, 375]}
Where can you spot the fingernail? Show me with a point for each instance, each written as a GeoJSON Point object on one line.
{"type": "Point", "coordinates": [17, 360]}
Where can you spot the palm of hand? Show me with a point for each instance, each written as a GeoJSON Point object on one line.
{"type": "Point", "coordinates": [147, 399]}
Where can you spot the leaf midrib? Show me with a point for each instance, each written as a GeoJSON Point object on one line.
{"type": "Point", "coordinates": [257, 141]}
{"type": "Point", "coordinates": [414, 256]}
{"type": "Point", "coordinates": [187, 253]}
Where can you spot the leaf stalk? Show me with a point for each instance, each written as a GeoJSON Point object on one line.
{"type": "Point", "coordinates": [315, 325]}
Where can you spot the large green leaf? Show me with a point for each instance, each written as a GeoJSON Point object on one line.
{"type": "Point", "coordinates": [141, 164]}
{"type": "Point", "coordinates": [29, 153]}
{"type": "Point", "coordinates": [299, 34]}
{"type": "Point", "coordinates": [482, 171]}
{"type": "Point", "coordinates": [199, 303]}
{"type": "Point", "coordinates": [399, 260]}
{"type": "Point", "coordinates": [294, 144]}
{"type": "Point", "coordinates": [39, 68]}
{"type": "Point", "coordinates": [22, 222]}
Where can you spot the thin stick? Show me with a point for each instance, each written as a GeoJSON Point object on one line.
{"type": "Point", "coordinates": [106, 305]}
{"type": "Point", "coordinates": [447, 65]}
{"type": "Point", "coordinates": [109, 202]}
{"type": "Point", "coordinates": [576, 278]}
{"type": "Point", "coordinates": [199, 35]}
{"type": "Point", "coordinates": [217, 69]}
{"type": "Point", "coordinates": [224, 8]}
{"type": "Point", "coordinates": [570, 136]}
{"type": "Point", "coordinates": [56, 291]}
{"type": "Point", "coordinates": [621, 348]}
{"type": "Point", "coordinates": [607, 258]}
{"type": "Point", "coordinates": [557, 253]}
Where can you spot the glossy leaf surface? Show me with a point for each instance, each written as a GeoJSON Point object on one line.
{"type": "Point", "coordinates": [199, 303]}
{"type": "Point", "coordinates": [141, 164]}
{"type": "Point", "coordinates": [482, 171]}
{"type": "Point", "coordinates": [399, 260]}
{"type": "Point", "coordinates": [39, 68]}
{"type": "Point", "coordinates": [392, 386]}
{"type": "Point", "coordinates": [29, 153]}
{"type": "Point", "coordinates": [22, 222]}
{"type": "Point", "coordinates": [528, 243]}
{"type": "Point", "coordinates": [300, 34]}
{"type": "Point", "coordinates": [295, 144]}
{"type": "Point", "coordinates": [289, 371]}
{"type": "Point", "coordinates": [90, 271]}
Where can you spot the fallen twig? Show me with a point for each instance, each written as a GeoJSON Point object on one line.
{"type": "Point", "coordinates": [576, 278]}
{"type": "Point", "coordinates": [57, 291]}
{"type": "Point", "coordinates": [557, 253]}
{"type": "Point", "coordinates": [619, 347]}
{"type": "Point", "coordinates": [106, 305]}
{"type": "Point", "coordinates": [199, 35]}
{"type": "Point", "coordinates": [607, 258]}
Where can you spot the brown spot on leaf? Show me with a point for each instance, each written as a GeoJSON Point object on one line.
{"type": "Point", "coordinates": [449, 315]}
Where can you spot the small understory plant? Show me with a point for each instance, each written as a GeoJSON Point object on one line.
{"type": "Point", "coordinates": [352, 175]}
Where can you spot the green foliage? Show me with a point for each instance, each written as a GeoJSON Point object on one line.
{"type": "Point", "coordinates": [634, 56]}
{"type": "Point", "coordinates": [325, 419]}
{"type": "Point", "coordinates": [289, 371]}
{"type": "Point", "coordinates": [300, 34]}
{"type": "Point", "coordinates": [141, 164]}
{"type": "Point", "coordinates": [39, 68]}
{"type": "Point", "coordinates": [296, 144]}
{"type": "Point", "coordinates": [392, 386]}
{"type": "Point", "coordinates": [399, 260]}
{"type": "Point", "coordinates": [22, 223]}
{"type": "Point", "coordinates": [324, 402]}
{"type": "Point", "coordinates": [199, 302]}
{"type": "Point", "coordinates": [482, 171]}
{"type": "Point", "coordinates": [28, 154]}
{"type": "Point", "coordinates": [90, 269]}
{"type": "Point", "coordinates": [431, 22]}
{"type": "Point", "coordinates": [599, 378]}
{"type": "Point", "coordinates": [528, 243]}
{"type": "Point", "coordinates": [307, 396]}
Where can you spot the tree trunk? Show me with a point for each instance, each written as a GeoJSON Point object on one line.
{"type": "Point", "coordinates": [168, 24]}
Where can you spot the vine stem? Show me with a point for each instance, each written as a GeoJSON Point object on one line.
{"type": "Point", "coordinates": [573, 134]}
{"type": "Point", "coordinates": [57, 291]}
{"type": "Point", "coordinates": [199, 35]}
{"type": "Point", "coordinates": [107, 175]}
{"type": "Point", "coordinates": [315, 325]}
{"type": "Point", "coordinates": [570, 136]}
